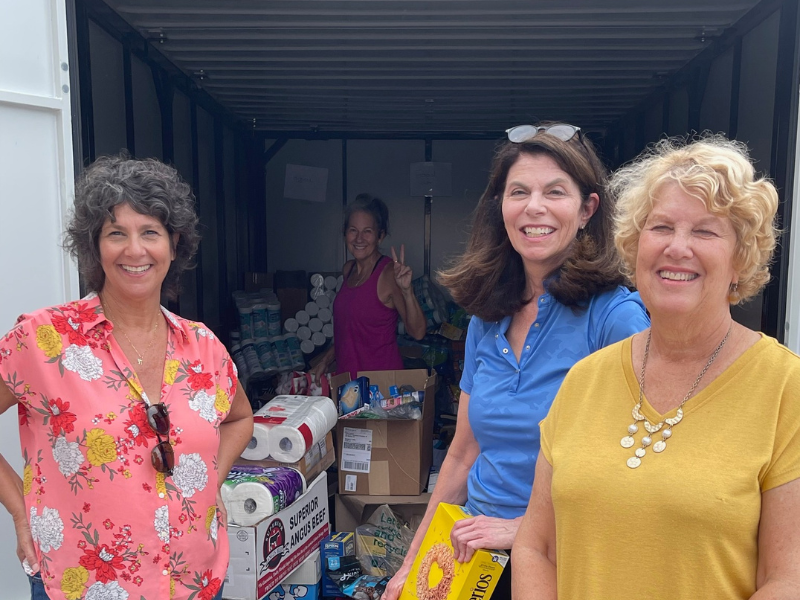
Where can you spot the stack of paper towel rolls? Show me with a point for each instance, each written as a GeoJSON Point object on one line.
{"type": "Point", "coordinates": [314, 323]}
{"type": "Point", "coordinates": [252, 493]}
{"type": "Point", "coordinates": [288, 426]}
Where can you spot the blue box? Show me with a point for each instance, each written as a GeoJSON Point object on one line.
{"type": "Point", "coordinates": [334, 547]}
{"type": "Point", "coordinates": [302, 584]}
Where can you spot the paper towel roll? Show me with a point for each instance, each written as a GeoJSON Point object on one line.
{"type": "Point", "coordinates": [316, 292]}
{"type": "Point", "coordinates": [291, 325]}
{"type": "Point", "coordinates": [255, 493]}
{"type": "Point", "coordinates": [303, 333]}
{"type": "Point", "coordinates": [312, 308]}
{"type": "Point", "coordinates": [258, 448]}
{"type": "Point", "coordinates": [307, 420]}
{"type": "Point", "coordinates": [318, 338]}
{"type": "Point", "coordinates": [325, 315]}
{"type": "Point", "coordinates": [315, 324]}
{"type": "Point", "coordinates": [323, 301]}
{"type": "Point", "coordinates": [302, 317]}
{"type": "Point", "coordinates": [327, 330]}
{"type": "Point", "coordinates": [330, 282]}
{"type": "Point", "coordinates": [307, 346]}
{"type": "Point", "coordinates": [317, 280]}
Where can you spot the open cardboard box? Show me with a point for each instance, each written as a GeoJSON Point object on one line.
{"type": "Point", "coordinates": [351, 511]}
{"type": "Point", "coordinates": [399, 451]}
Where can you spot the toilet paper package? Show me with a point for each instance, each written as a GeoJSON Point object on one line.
{"type": "Point", "coordinates": [298, 422]}
{"type": "Point", "coordinates": [251, 493]}
{"type": "Point", "coordinates": [258, 448]}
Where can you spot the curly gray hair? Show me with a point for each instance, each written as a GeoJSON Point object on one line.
{"type": "Point", "coordinates": [150, 188]}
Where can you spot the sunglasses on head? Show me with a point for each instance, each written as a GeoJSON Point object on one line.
{"type": "Point", "coordinates": [524, 133]}
{"type": "Point", "coordinates": [162, 456]}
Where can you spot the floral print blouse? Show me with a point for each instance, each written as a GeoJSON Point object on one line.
{"type": "Point", "coordinates": [106, 525]}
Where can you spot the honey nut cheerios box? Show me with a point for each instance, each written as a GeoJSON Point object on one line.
{"type": "Point", "coordinates": [436, 575]}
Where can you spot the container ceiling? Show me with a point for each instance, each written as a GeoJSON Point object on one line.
{"type": "Point", "coordinates": [466, 66]}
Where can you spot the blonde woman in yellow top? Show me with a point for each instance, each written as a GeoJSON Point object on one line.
{"type": "Point", "coordinates": [670, 461]}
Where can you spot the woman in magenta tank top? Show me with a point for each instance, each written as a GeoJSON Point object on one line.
{"type": "Point", "coordinates": [376, 290]}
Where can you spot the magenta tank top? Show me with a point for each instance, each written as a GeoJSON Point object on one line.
{"type": "Point", "coordinates": [364, 328]}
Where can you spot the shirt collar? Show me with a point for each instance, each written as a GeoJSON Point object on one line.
{"type": "Point", "coordinates": [92, 301]}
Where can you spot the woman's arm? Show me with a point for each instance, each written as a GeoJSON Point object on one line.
{"type": "Point", "coordinates": [533, 556]}
{"type": "Point", "coordinates": [235, 432]}
{"type": "Point", "coordinates": [451, 487]}
{"type": "Point", "coordinates": [325, 361]}
{"type": "Point", "coordinates": [11, 496]}
{"type": "Point", "coordinates": [395, 291]}
{"type": "Point", "coordinates": [778, 575]}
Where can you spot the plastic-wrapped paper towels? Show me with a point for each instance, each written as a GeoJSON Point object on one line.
{"type": "Point", "coordinates": [252, 493]}
{"type": "Point", "coordinates": [287, 426]}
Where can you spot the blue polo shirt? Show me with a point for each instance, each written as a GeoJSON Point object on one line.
{"type": "Point", "coordinates": [508, 399]}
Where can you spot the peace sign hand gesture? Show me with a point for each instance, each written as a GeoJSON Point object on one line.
{"type": "Point", "coordinates": [402, 272]}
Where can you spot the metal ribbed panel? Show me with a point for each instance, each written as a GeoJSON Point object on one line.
{"type": "Point", "coordinates": [429, 65]}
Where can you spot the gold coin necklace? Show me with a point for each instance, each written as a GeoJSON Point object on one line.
{"type": "Point", "coordinates": [660, 445]}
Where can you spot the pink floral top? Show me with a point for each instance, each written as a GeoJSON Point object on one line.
{"type": "Point", "coordinates": [106, 525]}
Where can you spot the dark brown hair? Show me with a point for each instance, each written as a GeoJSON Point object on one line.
{"type": "Point", "coordinates": [489, 281]}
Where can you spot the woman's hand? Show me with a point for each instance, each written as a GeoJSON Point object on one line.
{"type": "Point", "coordinates": [402, 272]}
{"type": "Point", "coordinates": [26, 551]}
{"type": "Point", "coordinates": [482, 532]}
{"type": "Point", "coordinates": [396, 583]}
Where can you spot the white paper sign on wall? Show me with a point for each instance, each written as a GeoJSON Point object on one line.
{"type": "Point", "coordinates": [305, 183]}
{"type": "Point", "coordinates": [431, 179]}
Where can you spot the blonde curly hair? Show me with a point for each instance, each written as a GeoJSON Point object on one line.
{"type": "Point", "coordinates": [719, 173]}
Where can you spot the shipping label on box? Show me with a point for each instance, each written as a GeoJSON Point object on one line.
{"type": "Point", "coordinates": [262, 555]}
{"type": "Point", "coordinates": [400, 450]}
{"type": "Point", "coordinates": [435, 572]}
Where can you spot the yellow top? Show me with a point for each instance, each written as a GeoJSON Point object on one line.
{"type": "Point", "coordinates": [684, 524]}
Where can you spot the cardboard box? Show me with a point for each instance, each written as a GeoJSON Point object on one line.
{"type": "Point", "coordinates": [262, 555]}
{"type": "Point", "coordinates": [351, 511]}
{"type": "Point", "coordinates": [335, 546]}
{"type": "Point", "coordinates": [398, 452]}
{"type": "Point", "coordinates": [318, 459]}
{"type": "Point", "coordinates": [436, 568]}
{"type": "Point", "coordinates": [304, 584]}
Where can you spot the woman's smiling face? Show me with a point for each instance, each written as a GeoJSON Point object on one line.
{"type": "Point", "coordinates": [684, 265]}
{"type": "Point", "coordinates": [543, 211]}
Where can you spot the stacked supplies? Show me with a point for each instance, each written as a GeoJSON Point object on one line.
{"type": "Point", "coordinates": [313, 325]}
{"type": "Point", "coordinates": [251, 494]}
{"type": "Point", "coordinates": [287, 427]}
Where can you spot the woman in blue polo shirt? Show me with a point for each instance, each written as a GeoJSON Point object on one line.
{"type": "Point", "coordinates": [542, 278]}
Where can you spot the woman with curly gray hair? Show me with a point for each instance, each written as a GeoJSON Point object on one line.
{"type": "Point", "coordinates": [671, 460]}
{"type": "Point", "coordinates": [130, 416]}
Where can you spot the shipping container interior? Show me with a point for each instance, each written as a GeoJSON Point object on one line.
{"type": "Point", "coordinates": [180, 82]}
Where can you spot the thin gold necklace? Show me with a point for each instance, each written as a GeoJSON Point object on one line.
{"type": "Point", "coordinates": [140, 359]}
{"type": "Point", "coordinates": [660, 445]}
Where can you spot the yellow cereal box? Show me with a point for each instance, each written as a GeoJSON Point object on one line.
{"type": "Point", "coordinates": [437, 576]}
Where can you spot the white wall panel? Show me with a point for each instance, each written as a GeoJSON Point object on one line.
{"type": "Point", "coordinates": [382, 168]}
{"type": "Point", "coordinates": [36, 188]}
{"type": "Point", "coordinates": [302, 234]}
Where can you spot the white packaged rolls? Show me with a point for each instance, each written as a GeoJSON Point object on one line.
{"type": "Point", "coordinates": [306, 421]}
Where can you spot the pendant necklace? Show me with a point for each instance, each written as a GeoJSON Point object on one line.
{"type": "Point", "coordinates": [140, 360]}
{"type": "Point", "coordinates": [660, 445]}
{"type": "Point", "coordinates": [140, 356]}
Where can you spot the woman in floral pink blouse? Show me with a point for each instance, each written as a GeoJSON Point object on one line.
{"type": "Point", "coordinates": [130, 417]}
